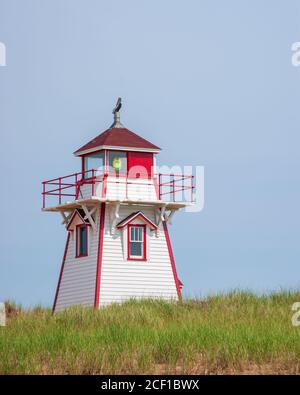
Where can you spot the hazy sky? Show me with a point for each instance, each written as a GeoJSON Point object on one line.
{"type": "Point", "coordinates": [211, 82]}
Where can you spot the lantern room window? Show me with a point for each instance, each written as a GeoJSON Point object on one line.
{"type": "Point", "coordinates": [137, 242]}
{"type": "Point", "coordinates": [94, 161]}
{"type": "Point", "coordinates": [117, 162]}
{"type": "Point", "coordinates": [81, 241]}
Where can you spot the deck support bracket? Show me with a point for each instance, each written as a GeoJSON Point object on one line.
{"type": "Point", "coordinates": [66, 217]}
{"type": "Point", "coordinates": [114, 216]}
{"type": "Point", "coordinates": [169, 217]}
{"type": "Point", "coordinates": [159, 217]}
{"type": "Point", "coordinates": [88, 215]}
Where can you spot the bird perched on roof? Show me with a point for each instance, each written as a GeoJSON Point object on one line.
{"type": "Point", "coordinates": [117, 106]}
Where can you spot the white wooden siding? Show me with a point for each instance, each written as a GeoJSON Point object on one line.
{"type": "Point", "coordinates": [134, 188]}
{"type": "Point", "coordinates": [116, 188]}
{"type": "Point", "coordinates": [122, 279]}
{"type": "Point", "coordinates": [85, 191]}
{"type": "Point", "coordinates": [79, 275]}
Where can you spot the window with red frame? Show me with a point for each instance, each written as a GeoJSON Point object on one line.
{"type": "Point", "coordinates": [137, 242]}
{"type": "Point", "coordinates": [81, 241]}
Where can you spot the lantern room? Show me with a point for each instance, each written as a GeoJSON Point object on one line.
{"type": "Point", "coordinates": [118, 152]}
{"type": "Point", "coordinates": [118, 165]}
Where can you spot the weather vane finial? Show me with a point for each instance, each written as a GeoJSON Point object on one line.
{"type": "Point", "coordinates": [116, 112]}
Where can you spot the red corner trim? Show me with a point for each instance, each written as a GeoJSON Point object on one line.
{"type": "Point", "coordinates": [172, 259]}
{"type": "Point", "coordinates": [100, 253]}
{"type": "Point", "coordinates": [61, 272]}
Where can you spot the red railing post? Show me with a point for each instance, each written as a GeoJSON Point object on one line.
{"type": "Point", "coordinates": [192, 189]}
{"type": "Point", "coordinates": [159, 183]}
{"type": "Point", "coordinates": [126, 186]}
{"type": "Point", "coordinates": [173, 187]}
{"type": "Point", "coordinates": [93, 182]}
{"type": "Point", "coordinates": [44, 196]}
{"type": "Point", "coordinates": [104, 184]}
{"type": "Point", "coordinates": [59, 186]}
{"type": "Point", "coordinates": [76, 186]}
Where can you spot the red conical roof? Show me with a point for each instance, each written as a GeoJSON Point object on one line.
{"type": "Point", "coordinates": [117, 137]}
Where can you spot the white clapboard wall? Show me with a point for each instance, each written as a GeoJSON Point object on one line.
{"type": "Point", "coordinates": [79, 275]}
{"type": "Point", "coordinates": [121, 188]}
{"type": "Point", "coordinates": [122, 279]}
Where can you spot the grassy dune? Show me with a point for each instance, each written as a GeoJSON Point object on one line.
{"type": "Point", "coordinates": [234, 333]}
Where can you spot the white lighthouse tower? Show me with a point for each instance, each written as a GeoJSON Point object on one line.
{"type": "Point", "coordinates": [116, 212]}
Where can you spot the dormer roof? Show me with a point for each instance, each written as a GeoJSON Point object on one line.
{"type": "Point", "coordinates": [81, 215]}
{"type": "Point", "coordinates": [134, 216]}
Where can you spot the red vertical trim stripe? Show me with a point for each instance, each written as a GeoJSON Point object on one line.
{"type": "Point", "coordinates": [61, 272]}
{"type": "Point", "coordinates": [172, 259]}
{"type": "Point", "coordinates": [156, 186]}
{"type": "Point", "coordinates": [100, 254]}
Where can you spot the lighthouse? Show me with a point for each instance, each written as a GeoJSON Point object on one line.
{"type": "Point", "coordinates": [116, 211]}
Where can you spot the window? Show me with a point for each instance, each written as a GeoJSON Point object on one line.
{"type": "Point", "coordinates": [94, 161]}
{"type": "Point", "coordinates": [137, 242]}
{"type": "Point", "coordinates": [117, 162]}
{"type": "Point", "coordinates": [81, 241]}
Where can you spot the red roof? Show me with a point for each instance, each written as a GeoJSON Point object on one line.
{"type": "Point", "coordinates": [118, 137]}
{"type": "Point", "coordinates": [81, 215]}
{"type": "Point", "coordinates": [136, 215]}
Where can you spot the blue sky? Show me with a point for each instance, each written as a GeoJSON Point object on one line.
{"type": "Point", "coordinates": [211, 82]}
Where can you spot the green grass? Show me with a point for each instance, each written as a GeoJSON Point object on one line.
{"type": "Point", "coordinates": [233, 333]}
